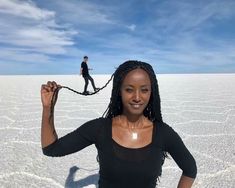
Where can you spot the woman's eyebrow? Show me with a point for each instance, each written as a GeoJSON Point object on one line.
{"type": "Point", "coordinates": [129, 85]}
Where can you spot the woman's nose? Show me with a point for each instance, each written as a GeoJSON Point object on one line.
{"type": "Point", "coordinates": [137, 96]}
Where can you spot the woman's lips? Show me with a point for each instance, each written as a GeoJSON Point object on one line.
{"type": "Point", "coordinates": [136, 106]}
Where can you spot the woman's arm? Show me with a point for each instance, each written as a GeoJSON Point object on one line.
{"type": "Point", "coordinates": [74, 141]}
{"type": "Point", "coordinates": [48, 132]}
{"type": "Point", "coordinates": [185, 182]}
{"type": "Point", "coordinates": [182, 156]}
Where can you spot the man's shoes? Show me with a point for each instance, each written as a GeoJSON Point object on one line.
{"type": "Point", "coordinates": [85, 93]}
{"type": "Point", "coordinates": [97, 89]}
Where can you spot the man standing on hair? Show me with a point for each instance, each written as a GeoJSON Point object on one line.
{"type": "Point", "coordinates": [84, 71]}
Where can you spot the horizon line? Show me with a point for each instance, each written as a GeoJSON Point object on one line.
{"type": "Point", "coordinates": [110, 74]}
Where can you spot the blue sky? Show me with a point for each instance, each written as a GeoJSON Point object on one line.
{"type": "Point", "coordinates": [51, 37]}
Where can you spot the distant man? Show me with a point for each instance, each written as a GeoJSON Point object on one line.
{"type": "Point", "coordinates": [84, 71]}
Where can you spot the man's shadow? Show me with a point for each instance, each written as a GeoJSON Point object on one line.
{"type": "Point", "coordinates": [89, 180]}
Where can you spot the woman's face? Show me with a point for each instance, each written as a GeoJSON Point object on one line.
{"type": "Point", "coordinates": [135, 92]}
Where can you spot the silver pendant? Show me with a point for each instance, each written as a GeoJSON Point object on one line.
{"type": "Point", "coordinates": [134, 136]}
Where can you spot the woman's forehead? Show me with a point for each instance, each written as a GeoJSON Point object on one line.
{"type": "Point", "coordinates": [137, 75]}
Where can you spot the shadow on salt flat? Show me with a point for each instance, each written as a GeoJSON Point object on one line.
{"type": "Point", "coordinates": [87, 181]}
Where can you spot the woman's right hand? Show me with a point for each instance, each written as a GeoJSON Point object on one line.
{"type": "Point", "coordinates": [47, 91]}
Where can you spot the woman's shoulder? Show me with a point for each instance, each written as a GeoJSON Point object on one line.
{"type": "Point", "coordinates": [163, 126]}
{"type": "Point", "coordinates": [97, 122]}
{"type": "Point", "coordinates": [168, 134]}
{"type": "Point", "coordinates": [94, 125]}
{"type": "Point", "coordinates": [165, 129]}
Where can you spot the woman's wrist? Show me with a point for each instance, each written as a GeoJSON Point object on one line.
{"type": "Point", "coordinates": [46, 108]}
{"type": "Point", "coordinates": [46, 111]}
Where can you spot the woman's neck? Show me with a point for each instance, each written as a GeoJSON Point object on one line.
{"type": "Point", "coordinates": [134, 120]}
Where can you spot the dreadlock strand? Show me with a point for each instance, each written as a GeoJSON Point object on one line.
{"type": "Point", "coordinates": [55, 95]}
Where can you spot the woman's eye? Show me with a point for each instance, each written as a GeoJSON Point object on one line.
{"type": "Point", "coordinates": [145, 90]}
{"type": "Point", "coordinates": [128, 90]}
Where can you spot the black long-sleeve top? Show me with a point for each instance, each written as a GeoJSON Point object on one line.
{"type": "Point", "coordinates": [122, 167]}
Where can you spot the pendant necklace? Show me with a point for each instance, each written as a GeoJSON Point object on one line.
{"type": "Point", "coordinates": [134, 134]}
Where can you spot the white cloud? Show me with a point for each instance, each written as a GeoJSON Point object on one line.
{"type": "Point", "coordinates": [132, 27]}
{"type": "Point", "coordinates": [178, 16]}
{"type": "Point", "coordinates": [22, 55]}
{"type": "Point", "coordinates": [190, 55]}
{"type": "Point", "coordinates": [24, 25]}
{"type": "Point", "coordinates": [25, 9]}
{"type": "Point", "coordinates": [84, 12]}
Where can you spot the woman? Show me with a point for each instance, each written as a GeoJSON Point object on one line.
{"type": "Point", "coordinates": [131, 138]}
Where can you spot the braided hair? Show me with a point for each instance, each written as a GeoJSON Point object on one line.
{"type": "Point", "coordinates": [55, 95]}
{"type": "Point", "coordinates": [152, 110]}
